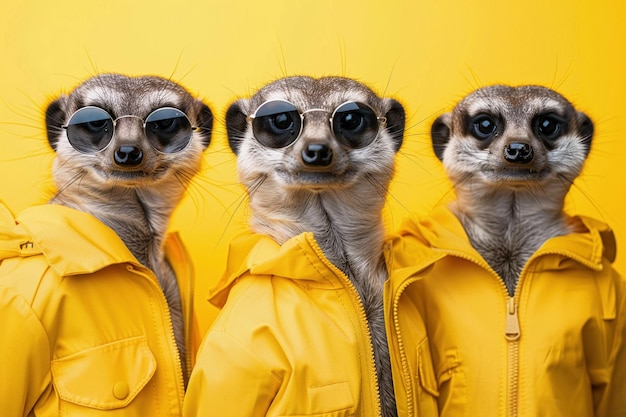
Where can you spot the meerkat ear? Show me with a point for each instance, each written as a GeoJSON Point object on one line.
{"type": "Point", "coordinates": [440, 134]}
{"type": "Point", "coordinates": [586, 129]}
{"type": "Point", "coordinates": [396, 120]}
{"type": "Point", "coordinates": [204, 122]}
{"type": "Point", "coordinates": [236, 125]}
{"type": "Point", "coordinates": [55, 117]}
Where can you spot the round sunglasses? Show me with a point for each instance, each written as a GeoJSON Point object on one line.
{"type": "Point", "coordinates": [278, 123]}
{"type": "Point", "coordinates": [90, 129]}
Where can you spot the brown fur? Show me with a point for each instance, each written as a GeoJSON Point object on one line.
{"type": "Point", "coordinates": [136, 202]}
{"type": "Point", "coordinates": [341, 203]}
{"type": "Point", "coordinates": [509, 208]}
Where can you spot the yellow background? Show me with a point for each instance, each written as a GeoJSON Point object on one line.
{"type": "Point", "coordinates": [426, 53]}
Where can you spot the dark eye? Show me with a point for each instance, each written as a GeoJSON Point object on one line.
{"type": "Point", "coordinates": [281, 122]}
{"type": "Point", "coordinates": [90, 129]}
{"type": "Point", "coordinates": [276, 124]}
{"type": "Point", "coordinates": [277, 130]}
{"type": "Point", "coordinates": [165, 129]}
{"type": "Point", "coordinates": [352, 121]}
{"type": "Point", "coordinates": [166, 124]}
{"type": "Point", "coordinates": [548, 126]}
{"type": "Point", "coordinates": [168, 130]}
{"type": "Point", "coordinates": [96, 125]}
{"type": "Point", "coordinates": [355, 124]}
{"type": "Point", "coordinates": [483, 127]}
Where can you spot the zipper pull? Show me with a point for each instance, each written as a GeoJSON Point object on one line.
{"type": "Point", "coordinates": [512, 331]}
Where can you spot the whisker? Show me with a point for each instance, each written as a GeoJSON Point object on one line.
{"type": "Point", "coordinates": [588, 198]}
{"type": "Point", "coordinates": [78, 176]}
{"type": "Point", "coordinates": [94, 67]}
{"type": "Point", "coordinates": [238, 203]}
{"type": "Point", "coordinates": [280, 57]}
{"type": "Point", "coordinates": [189, 181]}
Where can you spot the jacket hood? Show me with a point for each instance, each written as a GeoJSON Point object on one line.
{"type": "Point", "coordinates": [300, 258]}
{"type": "Point", "coordinates": [73, 242]}
{"type": "Point", "coordinates": [14, 240]}
{"type": "Point", "coordinates": [593, 241]}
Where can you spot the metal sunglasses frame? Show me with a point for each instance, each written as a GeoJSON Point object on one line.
{"type": "Point", "coordinates": [144, 122]}
{"type": "Point", "coordinates": [382, 120]}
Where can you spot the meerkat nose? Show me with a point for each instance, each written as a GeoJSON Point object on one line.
{"type": "Point", "coordinates": [128, 155]}
{"type": "Point", "coordinates": [518, 153]}
{"type": "Point", "coordinates": [317, 154]}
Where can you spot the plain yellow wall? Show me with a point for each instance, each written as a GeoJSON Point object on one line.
{"type": "Point", "coordinates": [426, 53]}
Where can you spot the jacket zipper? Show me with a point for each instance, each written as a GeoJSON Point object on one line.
{"type": "Point", "coordinates": [188, 325]}
{"type": "Point", "coordinates": [180, 383]}
{"type": "Point", "coordinates": [513, 332]}
{"type": "Point", "coordinates": [512, 335]}
{"type": "Point", "coordinates": [363, 319]}
{"type": "Point", "coordinates": [406, 373]}
{"type": "Point", "coordinates": [188, 310]}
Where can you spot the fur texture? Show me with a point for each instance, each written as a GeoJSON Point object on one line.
{"type": "Point", "coordinates": [340, 203]}
{"type": "Point", "coordinates": [135, 201]}
{"type": "Point", "coordinates": [511, 182]}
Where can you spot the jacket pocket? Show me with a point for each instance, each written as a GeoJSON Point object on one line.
{"type": "Point", "coordinates": [452, 384]}
{"type": "Point", "coordinates": [332, 400]}
{"type": "Point", "coordinates": [105, 377]}
{"type": "Point", "coordinates": [427, 390]}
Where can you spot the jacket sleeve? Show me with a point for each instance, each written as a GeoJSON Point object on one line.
{"type": "Point", "coordinates": [229, 381]}
{"type": "Point", "coordinates": [24, 356]}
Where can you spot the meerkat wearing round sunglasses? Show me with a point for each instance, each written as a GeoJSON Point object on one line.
{"type": "Point", "coordinates": [317, 155]}
{"type": "Point", "coordinates": [125, 152]}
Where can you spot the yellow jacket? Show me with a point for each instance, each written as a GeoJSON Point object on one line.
{"type": "Point", "coordinates": [554, 349]}
{"type": "Point", "coordinates": [291, 338]}
{"type": "Point", "coordinates": [84, 327]}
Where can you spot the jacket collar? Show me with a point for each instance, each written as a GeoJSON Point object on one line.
{"type": "Point", "coordinates": [73, 242]}
{"type": "Point", "coordinates": [300, 258]}
{"type": "Point", "coordinates": [594, 240]}
{"type": "Point", "coordinates": [417, 245]}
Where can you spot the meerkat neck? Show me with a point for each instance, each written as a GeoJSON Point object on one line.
{"type": "Point", "coordinates": [351, 239]}
{"type": "Point", "coordinates": [139, 217]}
{"type": "Point", "coordinates": [508, 226]}
{"type": "Point", "coordinates": [504, 210]}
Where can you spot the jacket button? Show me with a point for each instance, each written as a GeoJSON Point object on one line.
{"type": "Point", "coordinates": [120, 390]}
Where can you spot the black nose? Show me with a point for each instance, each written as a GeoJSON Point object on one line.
{"type": "Point", "coordinates": [518, 153]}
{"type": "Point", "coordinates": [317, 154]}
{"type": "Point", "coordinates": [128, 155]}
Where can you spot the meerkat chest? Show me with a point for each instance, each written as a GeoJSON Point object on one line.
{"type": "Point", "coordinates": [507, 249]}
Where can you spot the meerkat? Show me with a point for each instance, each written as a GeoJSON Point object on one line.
{"type": "Point", "coordinates": [126, 149]}
{"type": "Point", "coordinates": [318, 155]}
{"type": "Point", "coordinates": [512, 154]}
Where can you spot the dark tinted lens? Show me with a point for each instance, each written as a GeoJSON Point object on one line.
{"type": "Point", "coordinates": [168, 130]}
{"type": "Point", "coordinates": [355, 124]}
{"type": "Point", "coordinates": [90, 130]}
{"type": "Point", "coordinates": [276, 124]}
